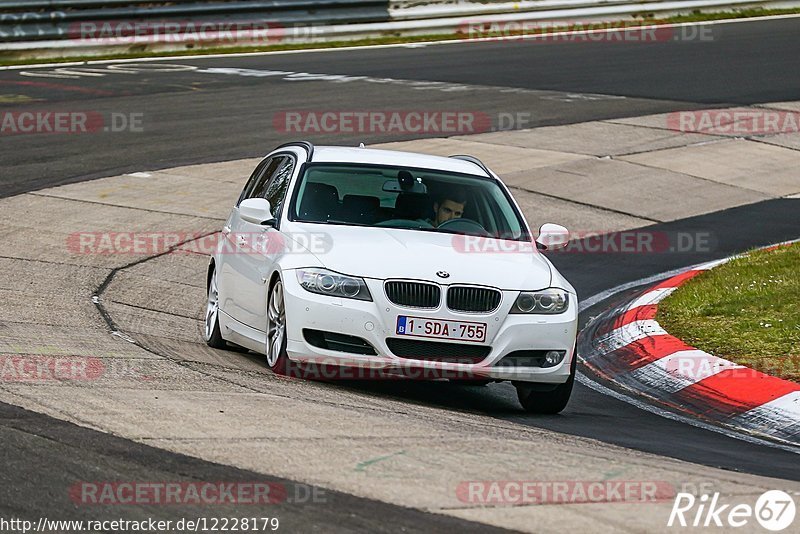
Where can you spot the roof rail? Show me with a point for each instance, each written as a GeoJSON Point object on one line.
{"type": "Point", "coordinates": [307, 145]}
{"type": "Point", "coordinates": [476, 161]}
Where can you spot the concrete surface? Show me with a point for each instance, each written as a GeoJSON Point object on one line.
{"type": "Point", "coordinates": [597, 138]}
{"type": "Point", "coordinates": [653, 193]}
{"type": "Point", "coordinates": [772, 170]}
{"type": "Point", "coordinates": [787, 140]}
{"type": "Point", "coordinates": [789, 106]}
{"type": "Point", "coordinates": [504, 157]}
{"type": "Point", "coordinates": [724, 122]}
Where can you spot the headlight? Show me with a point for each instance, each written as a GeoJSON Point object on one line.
{"type": "Point", "coordinates": [547, 301]}
{"type": "Point", "coordinates": [325, 282]}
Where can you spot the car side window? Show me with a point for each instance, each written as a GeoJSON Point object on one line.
{"type": "Point", "coordinates": [276, 188]}
{"type": "Point", "coordinates": [258, 183]}
{"type": "Point", "coordinates": [261, 173]}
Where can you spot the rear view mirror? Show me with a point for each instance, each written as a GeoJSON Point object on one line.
{"type": "Point", "coordinates": [256, 211]}
{"type": "Point", "coordinates": [405, 185]}
{"type": "Point", "coordinates": [552, 236]}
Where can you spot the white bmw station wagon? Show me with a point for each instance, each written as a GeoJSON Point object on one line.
{"type": "Point", "coordinates": [400, 264]}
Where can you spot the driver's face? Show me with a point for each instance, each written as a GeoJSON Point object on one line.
{"type": "Point", "coordinates": [447, 210]}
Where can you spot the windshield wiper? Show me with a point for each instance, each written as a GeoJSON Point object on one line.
{"type": "Point", "coordinates": [337, 221]}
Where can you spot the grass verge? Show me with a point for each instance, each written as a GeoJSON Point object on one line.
{"type": "Point", "coordinates": [747, 311]}
{"type": "Point", "coordinates": [640, 19]}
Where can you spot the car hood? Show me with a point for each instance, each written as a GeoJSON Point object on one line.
{"type": "Point", "coordinates": [383, 253]}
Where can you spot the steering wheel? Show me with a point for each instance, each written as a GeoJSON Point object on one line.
{"type": "Point", "coordinates": [464, 226]}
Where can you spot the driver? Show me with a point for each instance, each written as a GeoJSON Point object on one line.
{"type": "Point", "coordinates": [448, 205]}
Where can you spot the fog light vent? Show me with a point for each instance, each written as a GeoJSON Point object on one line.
{"type": "Point", "coordinates": [532, 358]}
{"type": "Point", "coordinates": [553, 358]}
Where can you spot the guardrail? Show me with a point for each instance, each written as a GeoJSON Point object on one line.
{"type": "Point", "coordinates": [53, 28]}
{"type": "Point", "coordinates": [43, 20]}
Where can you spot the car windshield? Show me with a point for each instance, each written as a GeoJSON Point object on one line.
{"type": "Point", "coordinates": [407, 198]}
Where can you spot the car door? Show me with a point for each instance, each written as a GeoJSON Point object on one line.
{"type": "Point", "coordinates": [229, 266]}
{"type": "Point", "coordinates": [259, 246]}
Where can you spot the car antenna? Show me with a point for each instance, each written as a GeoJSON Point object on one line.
{"type": "Point", "coordinates": [361, 145]}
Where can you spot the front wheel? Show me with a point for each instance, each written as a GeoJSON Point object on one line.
{"type": "Point", "coordinates": [211, 332]}
{"type": "Point", "coordinates": [541, 399]}
{"type": "Point", "coordinates": [277, 358]}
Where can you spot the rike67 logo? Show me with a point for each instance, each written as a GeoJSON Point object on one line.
{"type": "Point", "coordinates": [774, 510]}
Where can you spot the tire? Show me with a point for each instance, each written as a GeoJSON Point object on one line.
{"type": "Point", "coordinates": [211, 333]}
{"type": "Point", "coordinates": [277, 358]}
{"type": "Point", "coordinates": [541, 399]}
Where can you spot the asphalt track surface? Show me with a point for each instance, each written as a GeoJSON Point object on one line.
{"type": "Point", "coordinates": [42, 457]}
{"type": "Point", "coordinates": [192, 117]}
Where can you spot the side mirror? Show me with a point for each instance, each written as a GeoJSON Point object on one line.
{"type": "Point", "coordinates": [256, 211]}
{"type": "Point", "coordinates": [552, 237]}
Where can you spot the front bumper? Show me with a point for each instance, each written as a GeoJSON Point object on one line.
{"type": "Point", "coordinates": [375, 321]}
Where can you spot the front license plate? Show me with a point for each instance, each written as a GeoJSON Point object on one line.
{"type": "Point", "coordinates": [437, 328]}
